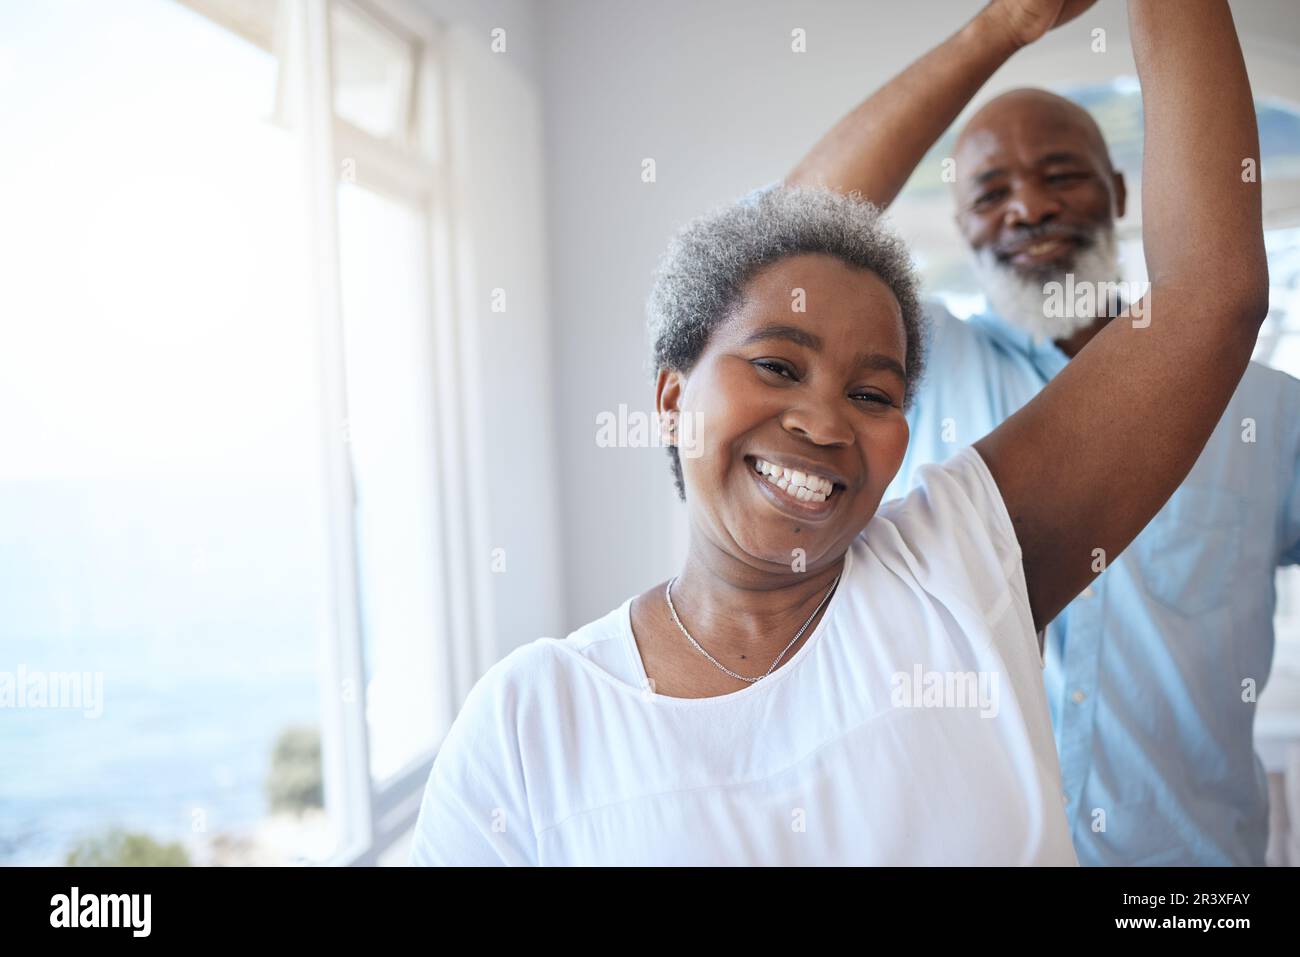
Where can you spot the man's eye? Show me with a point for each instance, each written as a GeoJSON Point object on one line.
{"type": "Point", "coordinates": [991, 196]}
{"type": "Point", "coordinates": [1066, 177]}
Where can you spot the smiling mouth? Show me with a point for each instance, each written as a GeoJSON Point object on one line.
{"type": "Point", "coordinates": [1047, 249]}
{"type": "Point", "coordinates": [804, 494]}
{"type": "Point", "coordinates": [1047, 246]}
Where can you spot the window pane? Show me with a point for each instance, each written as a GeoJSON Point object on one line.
{"type": "Point", "coordinates": [1279, 338]}
{"type": "Point", "coordinates": [372, 75]}
{"type": "Point", "coordinates": [391, 428]}
{"type": "Point", "coordinates": [158, 527]}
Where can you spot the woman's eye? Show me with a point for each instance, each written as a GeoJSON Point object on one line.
{"type": "Point", "coordinates": [772, 366]}
{"type": "Point", "coordinates": [874, 397]}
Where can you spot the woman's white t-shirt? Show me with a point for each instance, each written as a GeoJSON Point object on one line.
{"type": "Point", "coordinates": [911, 727]}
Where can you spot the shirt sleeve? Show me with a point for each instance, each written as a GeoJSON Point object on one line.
{"type": "Point", "coordinates": [475, 810]}
{"type": "Point", "coordinates": [962, 546]}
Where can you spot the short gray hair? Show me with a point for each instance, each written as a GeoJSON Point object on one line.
{"type": "Point", "coordinates": [702, 275]}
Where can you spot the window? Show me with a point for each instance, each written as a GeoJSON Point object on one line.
{"type": "Point", "coordinates": [158, 411]}
{"type": "Point", "coordinates": [372, 76]}
{"type": "Point", "coordinates": [389, 355]}
{"type": "Point", "coordinates": [221, 439]}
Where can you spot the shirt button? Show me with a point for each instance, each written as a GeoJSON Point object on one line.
{"type": "Point", "coordinates": [1087, 592]}
{"type": "Point", "coordinates": [1078, 696]}
{"type": "Point", "coordinates": [1066, 799]}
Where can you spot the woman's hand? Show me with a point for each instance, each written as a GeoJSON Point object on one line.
{"type": "Point", "coordinates": [1027, 20]}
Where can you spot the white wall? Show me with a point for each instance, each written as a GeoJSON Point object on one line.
{"type": "Point", "coordinates": [521, 19]}
{"type": "Point", "coordinates": [711, 91]}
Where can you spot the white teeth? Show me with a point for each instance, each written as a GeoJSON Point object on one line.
{"type": "Point", "coordinates": [800, 485]}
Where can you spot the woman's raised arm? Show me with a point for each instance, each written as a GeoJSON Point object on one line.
{"type": "Point", "coordinates": [1086, 464]}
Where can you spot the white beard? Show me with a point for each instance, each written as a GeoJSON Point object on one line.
{"type": "Point", "coordinates": [1021, 301]}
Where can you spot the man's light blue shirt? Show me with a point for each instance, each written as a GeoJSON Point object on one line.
{"type": "Point", "coordinates": [1153, 672]}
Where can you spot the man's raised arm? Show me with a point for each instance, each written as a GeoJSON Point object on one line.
{"type": "Point", "coordinates": [874, 149]}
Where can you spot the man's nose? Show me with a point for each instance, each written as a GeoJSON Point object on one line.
{"type": "Point", "coordinates": [1031, 206]}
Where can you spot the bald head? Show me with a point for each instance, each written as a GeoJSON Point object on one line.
{"type": "Point", "coordinates": [1035, 114]}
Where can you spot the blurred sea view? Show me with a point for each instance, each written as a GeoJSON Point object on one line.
{"type": "Point", "coordinates": [207, 652]}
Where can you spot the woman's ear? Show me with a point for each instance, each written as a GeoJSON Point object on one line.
{"type": "Point", "coordinates": [668, 393]}
{"type": "Point", "coordinates": [668, 428]}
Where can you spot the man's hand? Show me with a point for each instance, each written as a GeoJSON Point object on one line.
{"type": "Point", "coordinates": [873, 150]}
{"type": "Point", "coordinates": [1027, 20]}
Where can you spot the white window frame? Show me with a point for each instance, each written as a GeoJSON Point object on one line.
{"type": "Point", "coordinates": [369, 818]}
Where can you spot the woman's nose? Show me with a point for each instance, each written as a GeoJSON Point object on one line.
{"type": "Point", "coordinates": [821, 426]}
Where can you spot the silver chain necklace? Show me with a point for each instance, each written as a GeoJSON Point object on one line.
{"type": "Point", "coordinates": [668, 593]}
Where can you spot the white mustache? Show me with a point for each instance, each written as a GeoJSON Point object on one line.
{"type": "Point", "coordinates": [1020, 300]}
{"type": "Point", "coordinates": [1036, 234]}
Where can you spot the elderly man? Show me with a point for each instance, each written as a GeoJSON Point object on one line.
{"type": "Point", "coordinates": [1153, 672]}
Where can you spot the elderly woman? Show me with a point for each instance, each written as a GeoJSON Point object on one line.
{"type": "Point", "coordinates": [830, 680]}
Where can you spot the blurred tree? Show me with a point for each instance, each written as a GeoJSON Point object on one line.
{"type": "Point", "coordinates": [295, 783]}
{"type": "Point", "coordinates": [121, 848]}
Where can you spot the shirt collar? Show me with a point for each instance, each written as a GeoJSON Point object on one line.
{"type": "Point", "coordinates": [1042, 352]}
